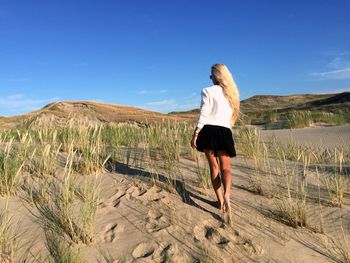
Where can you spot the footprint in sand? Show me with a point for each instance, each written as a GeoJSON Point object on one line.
{"type": "Point", "coordinates": [114, 200]}
{"type": "Point", "coordinates": [142, 191]}
{"type": "Point", "coordinates": [135, 191]}
{"type": "Point", "coordinates": [154, 214]}
{"type": "Point", "coordinates": [212, 234]}
{"type": "Point", "coordinates": [143, 250]}
{"type": "Point", "coordinates": [156, 221]}
{"type": "Point", "coordinates": [171, 251]}
{"type": "Point", "coordinates": [111, 231]}
{"type": "Point", "coordinates": [152, 194]}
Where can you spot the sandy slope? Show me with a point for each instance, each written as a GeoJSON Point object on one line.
{"type": "Point", "coordinates": [333, 136]}
{"type": "Point", "coordinates": [141, 220]}
{"type": "Point", "coordinates": [138, 221]}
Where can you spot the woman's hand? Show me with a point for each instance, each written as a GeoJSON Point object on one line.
{"type": "Point", "coordinates": [194, 140]}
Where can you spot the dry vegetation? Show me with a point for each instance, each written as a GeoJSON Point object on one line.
{"type": "Point", "coordinates": [66, 209]}
{"type": "Point", "coordinates": [56, 171]}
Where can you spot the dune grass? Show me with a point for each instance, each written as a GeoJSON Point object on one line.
{"type": "Point", "coordinates": [9, 238]}
{"type": "Point", "coordinates": [10, 169]}
{"type": "Point", "coordinates": [203, 171]}
{"type": "Point", "coordinates": [67, 202]}
{"type": "Point", "coordinates": [301, 119]}
{"type": "Point", "coordinates": [60, 250]}
{"type": "Point", "coordinates": [57, 205]}
{"type": "Point", "coordinates": [336, 182]}
{"type": "Point", "coordinates": [293, 119]}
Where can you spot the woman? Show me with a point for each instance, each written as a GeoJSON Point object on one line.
{"type": "Point", "coordinates": [213, 136]}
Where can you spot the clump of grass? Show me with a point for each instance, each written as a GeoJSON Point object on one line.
{"type": "Point", "coordinates": [277, 148]}
{"type": "Point", "coordinates": [321, 217]}
{"type": "Point", "coordinates": [10, 169]}
{"type": "Point", "coordinates": [248, 142]}
{"type": "Point", "coordinates": [342, 246]}
{"type": "Point", "coordinates": [288, 209]}
{"type": "Point", "coordinates": [291, 211]}
{"type": "Point", "coordinates": [335, 183]}
{"type": "Point", "coordinates": [329, 117]}
{"type": "Point", "coordinates": [262, 172]}
{"type": "Point", "coordinates": [91, 198]}
{"type": "Point", "coordinates": [91, 150]}
{"type": "Point", "coordinates": [299, 119]}
{"type": "Point", "coordinates": [43, 161]}
{"type": "Point", "coordinates": [59, 249]}
{"type": "Point", "coordinates": [9, 244]}
{"type": "Point", "coordinates": [203, 172]}
{"type": "Point", "coordinates": [56, 206]}
{"type": "Point", "coordinates": [67, 134]}
{"type": "Point", "coordinates": [271, 117]}
{"type": "Point", "coordinates": [244, 119]}
{"type": "Point", "coordinates": [338, 246]}
{"type": "Point", "coordinates": [25, 144]}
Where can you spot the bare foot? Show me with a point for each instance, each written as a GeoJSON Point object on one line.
{"type": "Point", "coordinates": [220, 205]}
{"type": "Point", "coordinates": [226, 205]}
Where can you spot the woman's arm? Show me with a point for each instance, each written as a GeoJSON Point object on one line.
{"type": "Point", "coordinates": [204, 110]}
{"type": "Point", "coordinates": [202, 120]}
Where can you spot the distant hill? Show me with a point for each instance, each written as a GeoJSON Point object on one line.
{"type": "Point", "coordinates": [260, 104]}
{"type": "Point", "coordinates": [336, 103]}
{"type": "Point", "coordinates": [86, 112]}
{"type": "Point", "coordinates": [255, 107]}
{"type": "Point", "coordinates": [336, 99]}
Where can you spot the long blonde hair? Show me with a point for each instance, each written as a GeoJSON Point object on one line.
{"type": "Point", "coordinates": [221, 76]}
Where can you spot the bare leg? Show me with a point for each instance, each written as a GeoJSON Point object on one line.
{"type": "Point", "coordinates": [215, 177]}
{"type": "Point", "coordinates": [225, 168]}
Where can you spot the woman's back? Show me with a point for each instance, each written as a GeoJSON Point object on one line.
{"type": "Point", "coordinates": [215, 108]}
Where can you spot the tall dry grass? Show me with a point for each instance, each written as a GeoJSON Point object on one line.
{"type": "Point", "coordinates": [336, 182]}
{"type": "Point", "coordinates": [67, 203]}
{"type": "Point", "coordinates": [202, 171]}
{"type": "Point", "coordinates": [60, 211]}
{"type": "Point", "coordinates": [10, 169]}
{"type": "Point", "coordinates": [60, 250]}
{"type": "Point", "coordinates": [9, 238]}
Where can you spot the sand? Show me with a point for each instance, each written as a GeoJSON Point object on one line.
{"type": "Point", "coordinates": [142, 221]}
{"type": "Point", "coordinates": [332, 136]}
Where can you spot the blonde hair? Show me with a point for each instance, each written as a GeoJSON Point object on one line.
{"type": "Point", "coordinates": [222, 76]}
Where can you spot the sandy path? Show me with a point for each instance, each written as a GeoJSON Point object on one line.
{"type": "Point", "coordinates": [335, 136]}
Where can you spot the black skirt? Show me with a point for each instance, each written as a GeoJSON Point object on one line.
{"type": "Point", "coordinates": [216, 138]}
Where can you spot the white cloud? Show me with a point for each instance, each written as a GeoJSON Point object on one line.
{"type": "Point", "coordinates": [339, 68]}
{"type": "Point", "coordinates": [168, 105]}
{"type": "Point", "coordinates": [171, 103]}
{"type": "Point", "coordinates": [338, 63]}
{"type": "Point", "coordinates": [161, 91]}
{"type": "Point", "coordinates": [333, 74]}
{"type": "Point", "coordinates": [19, 103]}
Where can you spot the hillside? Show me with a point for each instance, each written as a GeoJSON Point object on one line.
{"type": "Point", "coordinates": [260, 105]}
{"type": "Point", "coordinates": [336, 103]}
{"type": "Point", "coordinates": [85, 112]}
{"type": "Point", "coordinates": [255, 108]}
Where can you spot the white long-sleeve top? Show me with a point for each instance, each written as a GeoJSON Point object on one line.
{"type": "Point", "coordinates": [215, 108]}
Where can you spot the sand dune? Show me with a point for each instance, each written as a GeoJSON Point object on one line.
{"type": "Point", "coordinates": [139, 221]}
{"type": "Point", "coordinates": [146, 213]}
{"type": "Point", "coordinates": [335, 136]}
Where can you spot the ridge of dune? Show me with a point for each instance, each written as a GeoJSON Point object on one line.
{"type": "Point", "coordinates": [86, 112]}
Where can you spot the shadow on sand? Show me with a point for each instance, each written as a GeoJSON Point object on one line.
{"type": "Point", "coordinates": [183, 191]}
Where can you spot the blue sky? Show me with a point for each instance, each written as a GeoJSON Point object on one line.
{"type": "Point", "coordinates": [157, 54]}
